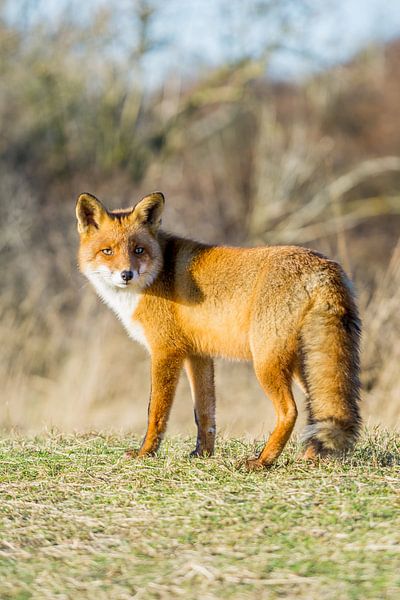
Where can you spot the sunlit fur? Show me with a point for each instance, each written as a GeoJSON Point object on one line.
{"type": "Point", "coordinates": [289, 310]}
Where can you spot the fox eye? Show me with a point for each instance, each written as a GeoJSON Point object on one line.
{"type": "Point", "coordinates": [139, 250]}
{"type": "Point", "coordinates": [107, 251]}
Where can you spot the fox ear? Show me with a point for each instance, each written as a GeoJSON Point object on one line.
{"type": "Point", "coordinates": [148, 210]}
{"type": "Point", "coordinates": [90, 212]}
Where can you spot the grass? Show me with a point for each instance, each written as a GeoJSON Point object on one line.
{"type": "Point", "coordinates": [80, 521]}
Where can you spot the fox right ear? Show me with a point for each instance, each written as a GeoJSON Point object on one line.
{"type": "Point", "coordinates": [90, 212]}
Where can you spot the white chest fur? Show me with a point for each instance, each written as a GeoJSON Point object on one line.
{"type": "Point", "coordinates": [124, 303]}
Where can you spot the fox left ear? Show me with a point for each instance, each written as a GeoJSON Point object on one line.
{"type": "Point", "coordinates": [148, 210]}
{"type": "Point", "coordinates": [90, 212]}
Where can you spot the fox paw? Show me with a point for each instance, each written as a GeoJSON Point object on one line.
{"type": "Point", "coordinates": [131, 453]}
{"type": "Point", "coordinates": [314, 455]}
{"type": "Point", "coordinates": [310, 455]}
{"type": "Point", "coordinates": [251, 464]}
{"type": "Point", "coordinates": [200, 453]}
{"type": "Point", "coordinates": [138, 453]}
{"type": "Point", "coordinates": [254, 464]}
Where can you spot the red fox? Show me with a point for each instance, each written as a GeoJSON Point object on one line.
{"type": "Point", "coordinates": [289, 310]}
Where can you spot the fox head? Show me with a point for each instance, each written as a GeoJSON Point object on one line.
{"type": "Point", "coordinates": [119, 248]}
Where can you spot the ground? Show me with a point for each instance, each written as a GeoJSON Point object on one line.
{"type": "Point", "coordinates": [78, 520]}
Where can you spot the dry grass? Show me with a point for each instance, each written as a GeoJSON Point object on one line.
{"type": "Point", "coordinates": [78, 520]}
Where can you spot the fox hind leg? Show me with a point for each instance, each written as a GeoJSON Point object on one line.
{"type": "Point", "coordinates": [276, 379]}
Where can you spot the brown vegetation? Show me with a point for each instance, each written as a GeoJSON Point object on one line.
{"type": "Point", "coordinates": [241, 160]}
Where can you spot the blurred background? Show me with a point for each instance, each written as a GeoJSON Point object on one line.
{"type": "Point", "coordinates": [262, 122]}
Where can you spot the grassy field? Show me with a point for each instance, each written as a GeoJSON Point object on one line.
{"type": "Point", "coordinates": [78, 520]}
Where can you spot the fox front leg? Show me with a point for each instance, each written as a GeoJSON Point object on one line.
{"type": "Point", "coordinates": [164, 379]}
{"type": "Point", "coordinates": [200, 372]}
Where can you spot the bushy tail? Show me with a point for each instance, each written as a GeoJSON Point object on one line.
{"type": "Point", "coordinates": [330, 363]}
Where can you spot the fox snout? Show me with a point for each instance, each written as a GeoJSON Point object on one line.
{"type": "Point", "coordinates": [124, 277]}
{"type": "Point", "coordinates": [127, 276]}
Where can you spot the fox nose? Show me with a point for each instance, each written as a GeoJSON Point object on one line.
{"type": "Point", "coordinates": [127, 275]}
